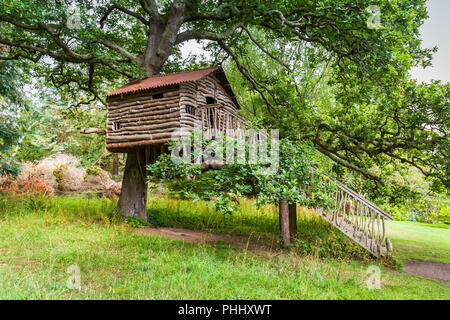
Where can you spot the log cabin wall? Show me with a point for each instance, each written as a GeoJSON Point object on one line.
{"type": "Point", "coordinates": [152, 117]}
{"type": "Point", "coordinates": [206, 88]}
{"type": "Point", "coordinates": [193, 95]}
{"type": "Point", "coordinates": [188, 105]}
{"type": "Point", "coordinates": [143, 119]}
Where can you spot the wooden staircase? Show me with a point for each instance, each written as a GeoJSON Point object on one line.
{"type": "Point", "coordinates": [359, 219]}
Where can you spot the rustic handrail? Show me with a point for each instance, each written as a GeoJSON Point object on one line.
{"type": "Point", "coordinates": [360, 197]}
{"type": "Point", "coordinates": [359, 219]}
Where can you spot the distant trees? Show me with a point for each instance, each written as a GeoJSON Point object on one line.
{"type": "Point", "coordinates": [9, 129]}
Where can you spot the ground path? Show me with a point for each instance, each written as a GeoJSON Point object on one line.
{"type": "Point", "coordinates": [428, 269]}
{"type": "Point", "coordinates": [267, 246]}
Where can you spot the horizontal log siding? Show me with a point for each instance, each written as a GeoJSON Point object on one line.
{"type": "Point", "coordinates": [143, 119]}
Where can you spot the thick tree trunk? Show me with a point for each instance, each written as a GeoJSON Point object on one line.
{"type": "Point", "coordinates": [133, 196]}
{"type": "Point", "coordinates": [293, 219]}
{"type": "Point", "coordinates": [160, 42]}
{"type": "Point", "coordinates": [284, 222]}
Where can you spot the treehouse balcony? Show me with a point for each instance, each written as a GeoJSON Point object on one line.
{"type": "Point", "coordinates": [214, 118]}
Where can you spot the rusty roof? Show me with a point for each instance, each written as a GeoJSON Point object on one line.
{"type": "Point", "coordinates": [163, 80]}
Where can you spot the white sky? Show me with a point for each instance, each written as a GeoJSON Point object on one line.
{"type": "Point", "coordinates": [434, 32]}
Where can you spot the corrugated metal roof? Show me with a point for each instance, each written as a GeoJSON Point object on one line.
{"type": "Point", "coordinates": [163, 80]}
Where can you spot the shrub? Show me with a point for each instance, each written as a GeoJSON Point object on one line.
{"type": "Point", "coordinates": [95, 171]}
{"type": "Point", "coordinates": [59, 172]}
{"type": "Point", "coordinates": [32, 185]}
{"type": "Point", "coordinates": [423, 210]}
{"type": "Point", "coordinates": [444, 215]}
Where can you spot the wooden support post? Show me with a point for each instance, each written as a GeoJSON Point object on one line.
{"type": "Point", "coordinates": [293, 219]}
{"type": "Point", "coordinates": [115, 165]}
{"type": "Point", "coordinates": [284, 222]}
{"type": "Point", "coordinates": [147, 158]}
{"type": "Point", "coordinates": [154, 154]}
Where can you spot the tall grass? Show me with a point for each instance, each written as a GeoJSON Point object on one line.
{"type": "Point", "coordinates": [41, 237]}
{"type": "Point", "coordinates": [315, 236]}
{"type": "Point", "coordinates": [84, 207]}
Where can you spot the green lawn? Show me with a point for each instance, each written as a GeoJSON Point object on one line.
{"type": "Point", "coordinates": [413, 240]}
{"type": "Point", "coordinates": [40, 239]}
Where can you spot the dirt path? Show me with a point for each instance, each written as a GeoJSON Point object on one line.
{"type": "Point", "coordinates": [268, 245]}
{"type": "Point", "coordinates": [254, 243]}
{"type": "Point", "coordinates": [428, 269]}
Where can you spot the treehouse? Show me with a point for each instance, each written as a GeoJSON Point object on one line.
{"type": "Point", "coordinates": [147, 113]}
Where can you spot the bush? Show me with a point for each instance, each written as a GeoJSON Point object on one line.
{"type": "Point", "coordinates": [60, 172]}
{"type": "Point", "coordinates": [95, 171]}
{"type": "Point", "coordinates": [32, 185]}
{"type": "Point", "coordinates": [423, 210]}
{"type": "Point", "coordinates": [444, 215]}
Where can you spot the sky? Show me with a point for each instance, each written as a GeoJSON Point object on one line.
{"type": "Point", "coordinates": [436, 32]}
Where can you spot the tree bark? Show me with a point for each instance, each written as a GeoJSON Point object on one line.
{"type": "Point", "coordinates": [133, 196]}
{"type": "Point", "coordinates": [284, 222]}
{"type": "Point", "coordinates": [293, 219]}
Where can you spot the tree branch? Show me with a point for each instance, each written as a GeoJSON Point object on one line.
{"type": "Point", "coordinates": [120, 50]}
{"type": "Point", "coordinates": [124, 10]}
{"type": "Point", "coordinates": [151, 8]}
{"type": "Point", "coordinates": [93, 130]}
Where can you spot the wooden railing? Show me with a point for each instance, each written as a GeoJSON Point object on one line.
{"type": "Point", "coordinates": [359, 219]}
{"type": "Point", "coordinates": [214, 119]}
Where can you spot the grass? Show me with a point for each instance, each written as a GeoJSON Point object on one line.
{"type": "Point", "coordinates": [315, 235]}
{"type": "Point", "coordinates": [414, 240]}
{"type": "Point", "coordinates": [41, 238]}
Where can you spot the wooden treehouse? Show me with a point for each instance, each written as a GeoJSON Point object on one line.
{"type": "Point", "coordinates": [145, 114]}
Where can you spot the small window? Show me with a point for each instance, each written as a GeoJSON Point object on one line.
{"type": "Point", "coordinates": [116, 126]}
{"type": "Point", "coordinates": [210, 113]}
{"type": "Point", "coordinates": [157, 96]}
{"type": "Point", "coordinates": [210, 100]}
{"type": "Point", "coordinates": [189, 109]}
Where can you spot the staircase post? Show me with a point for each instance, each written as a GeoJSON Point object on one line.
{"type": "Point", "coordinates": [293, 219]}
{"type": "Point", "coordinates": [284, 222]}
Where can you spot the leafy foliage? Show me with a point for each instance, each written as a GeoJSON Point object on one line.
{"type": "Point", "coordinates": [373, 129]}
{"type": "Point", "coordinates": [297, 180]}
{"type": "Point", "coordinates": [9, 129]}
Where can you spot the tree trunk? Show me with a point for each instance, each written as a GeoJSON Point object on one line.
{"type": "Point", "coordinates": [133, 196]}
{"type": "Point", "coordinates": [284, 222]}
{"type": "Point", "coordinates": [293, 219]}
{"type": "Point", "coordinates": [160, 42]}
